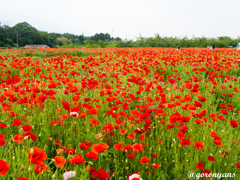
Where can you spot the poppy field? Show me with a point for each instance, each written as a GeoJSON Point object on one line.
{"type": "Point", "coordinates": [119, 114]}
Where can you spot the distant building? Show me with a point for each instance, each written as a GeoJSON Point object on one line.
{"type": "Point", "coordinates": [36, 46]}
{"type": "Point", "coordinates": [238, 45]}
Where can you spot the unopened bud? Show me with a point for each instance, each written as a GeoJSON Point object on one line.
{"type": "Point", "coordinates": [31, 151]}
{"type": "Point", "coordinates": [90, 163]}
{"type": "Point", "coordinates": [26, 137]}
{"type": "Point", "coordinates": [22, 167]}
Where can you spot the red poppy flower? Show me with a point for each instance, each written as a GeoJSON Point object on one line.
{"type": "Point", "coordinates": [224, 153]}
{"type": "Point", "coordinates": [185, 142]}
{"type": "Point", "coordinates": [217, 141]}
{"type": "Point", "coordinates": [94, 122]}
{"type": "Point", "coordinates": [210, 158]}
{"type": "Point", "coordinates": [154, 155]}
{"type": "Point", "coordinates": [123, 131]}
{"type": "Point", "coordinates": [17, 138]}
{"type": "Point", "coordinates": [2, 136]}
{"type": "Point", "coordinates": [118, 146]}
{"type": "Point", "coordinates": [83, 146]}
{"type": "Point", "coordinates": [60, 161]}
{"type": "Point", "coordinates": [100, 147]}
{"type": "Point", "coordinates": [137, 147]}
{"type": "Point", "coordinates": [144, 160]}
{"type": "Point", "coordinates": [224, 111]}
{"type": "Point", "coordinates": [100, 174]}
{"type": "Point", "coordinates": [16, 122]}
{"type": "Point", "coordinates": [206, 173]}
{"type": "Point", "coordinates": [36, 156]}
{"type": "Point", "coordinates": [180, 135]}
{"type": "Point", "coordinates": [200, 165]}
{"type": "Point", "coordinates": [92, 111]}
{"type": "Point", "coordinates": [77, 159]}
{"type": "Point", "coordinates": [22, 178]}
{"type": "Point", "coordinates": [238, 165]}
{"type": "Point", "coordinates": [155, 166]}
{"type": "Point", "coordinates": [131, 155]}
{"type": "Point", "coordinates": [92, 155]}
{"type": "Point", "coordinates": [198, 144]}
{"type": "Point", "coordinates": [131, 135]}
{"type": "Point", "coordinates": [2, 142]}
{"type": "Point", "coordinates": [170, 126]}
{"type": "Point", "coordinates": [30, 135]}
{"type": "Point", "coordinates": [26, 128]}
{"type": "Point", "coordinates": [39, 169]}
{"type": "Point", "coordinates": [3, 125]}
{"type": "Point", "coordinates": [233, 123]}
{"type": "Point", "coordinates": [214, 134]}
{"type": "Point", "coordinates": [127, 147]}
{"type": "Point", "coordinates": [4, 166]}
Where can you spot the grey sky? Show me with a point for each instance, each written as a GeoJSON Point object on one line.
{"type": "Point", "coordinates": [127, 18]}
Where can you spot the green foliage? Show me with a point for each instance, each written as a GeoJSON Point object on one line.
{"type": "Point", "coordinates": [24, 34]}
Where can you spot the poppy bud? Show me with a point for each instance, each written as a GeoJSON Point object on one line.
{"type": "Point", "coordinates": [22, 167]}
{"type": "Point", "coordinates": [31, 151]}
{"type": "Point", "coordinates": [13, 158]}
{"type": "Point", "coordinates": [29, 169]}
{"type": "Point", "coordinates": [26, 137]}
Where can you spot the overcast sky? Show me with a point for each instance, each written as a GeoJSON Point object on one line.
{"type": "Point", "coordinates": [127, 18]}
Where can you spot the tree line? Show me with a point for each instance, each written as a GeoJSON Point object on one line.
{"type": "Point", "coordinates": [24, 34]}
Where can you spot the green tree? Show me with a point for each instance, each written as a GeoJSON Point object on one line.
{"type": "Point", "coordinates": [61, 41]}
{"type": "Point", "coordinates": [6, 33]}
{"type": "Point", "coordinates": [26, 33]}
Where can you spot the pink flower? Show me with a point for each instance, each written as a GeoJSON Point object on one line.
{"type": "Point", "coordinates": [62, 117]}
{"type": "Point", "coordinates": [134, 176]}
{"type": "Point", "coordinates": [74, 114]}
{"type": "Point", "coordinates": [69, 174]}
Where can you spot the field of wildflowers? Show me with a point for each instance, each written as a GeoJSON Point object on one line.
{"type": "Point", "coordinates": [132, 113]}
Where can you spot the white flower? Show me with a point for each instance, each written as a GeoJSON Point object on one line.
{"type": "Point", "coordinates": [74, 114]}
{"type": "Point", "coordinates": [69, 174]}
{"type": "Point", "coordinates": [135, 176]}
